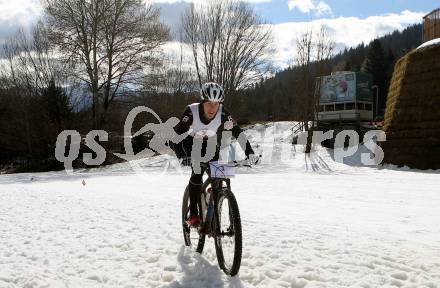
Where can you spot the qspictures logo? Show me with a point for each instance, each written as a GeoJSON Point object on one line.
{"type": "Point", "coordinates": [164, 133]}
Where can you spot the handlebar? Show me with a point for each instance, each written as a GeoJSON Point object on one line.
{"type": "Point", "coordinates": [233, 164]}
{"type": "Point", "coordinates": [243, 163]}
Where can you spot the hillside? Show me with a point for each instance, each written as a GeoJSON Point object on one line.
{"type": "Point", "coordinates": [278, 93]}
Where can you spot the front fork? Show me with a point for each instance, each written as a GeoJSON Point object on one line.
{"type": "Point", "coordinates": [212, 219]}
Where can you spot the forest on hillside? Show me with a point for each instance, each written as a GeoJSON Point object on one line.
{"type": "Point", "coordinates": [275, 98]}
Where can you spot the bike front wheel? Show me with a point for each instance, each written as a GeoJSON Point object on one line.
{"type": "Point", "coordinates": [228, 241]}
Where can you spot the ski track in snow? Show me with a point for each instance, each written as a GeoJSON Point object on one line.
{"type": "Point", "coordinates": [307, 222]}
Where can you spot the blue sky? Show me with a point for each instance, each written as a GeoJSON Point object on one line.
{"type": "Point", "coordinates": [277, 11]}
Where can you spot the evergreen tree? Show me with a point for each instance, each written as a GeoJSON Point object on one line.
{"type": "Point", "coordinates": [57, 103]}
{"type": "Point", "coordinates": [391, 60]}
{"type": "Point", "coordinates": [376, 65]}
{"type": "Point", "coordinates": [366, 66]}
{"type": "Point", "coordinates": [348, 65]}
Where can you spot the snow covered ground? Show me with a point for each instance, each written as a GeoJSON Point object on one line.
{"type": "Point", "coordinates": [307, 222]}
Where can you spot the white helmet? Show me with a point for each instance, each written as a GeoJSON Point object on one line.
{"type": "Point", "coordinates": [212, 92]}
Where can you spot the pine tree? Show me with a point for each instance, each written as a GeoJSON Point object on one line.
{"type": "Point", "coordinates": [348, 65]}
{"type": "Point", "coordinates": [366, 66]}
{"type": "Point", "coordinates": [391, 60]}
{"type": "Point", "coordinates": [57, 103]}
{"type": "Point", "coordinates": [376, 65]}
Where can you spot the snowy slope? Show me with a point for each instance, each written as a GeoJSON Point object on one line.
{"type": "Point", "coordinates": [307, 222]}
{"type": "Point", "coordinates": [429, 43]}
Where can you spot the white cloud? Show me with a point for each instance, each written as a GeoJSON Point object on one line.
{"type": "Point", "coordinates": [173, 1]}
{"type": "Point", "coordinates": [346, 32]}
{"type": "Point", "coordinates": [203, 1]}
{"type": "Point", "coordinates": [323, 8]}
{"type": "Point", "coordinates": [173, 50]}
{"type": "Point", "coordinates": [307, 6]}
{"type": "Point", "coordinates": [25, 9]}
{"type": "Point", "coordinates": [17, 14]}
{"type": "Point", "coordinates": [11, 9]}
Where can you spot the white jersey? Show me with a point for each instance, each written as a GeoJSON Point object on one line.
{"type": "Point", "coordinates": [200, 130]}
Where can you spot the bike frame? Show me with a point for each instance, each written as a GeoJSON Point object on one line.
{"type": "Point", "coordinates": [216, 186]}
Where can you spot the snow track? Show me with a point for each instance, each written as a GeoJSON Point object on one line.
{"type": "Point", "coordinates": [307, 222]}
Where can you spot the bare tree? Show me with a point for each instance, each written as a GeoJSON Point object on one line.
{"type": "Point", "coordinates": [30, 68]}
{"type": "Point", "coordinates": [108, 43]}
{"type": "Point", "coordinates": [181, 79]}
{"type": "Point", "coordinates": [177, 75]}
{"type": "Point", "coordinates": [304, 94]}
{"type": "Point", "coordinates": [32, 62]}
{"type": "Point", "coordinates": [18, 78]}
{"type": "Point", "coordinates": [313, 50]}
{"type": "Point", "coordinates": [228, 41]}
{"type": "Point", "coordinates": [324, 46]}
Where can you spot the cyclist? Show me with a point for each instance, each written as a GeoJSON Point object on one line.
{"type": "Point", "coordinates": [203, 120]}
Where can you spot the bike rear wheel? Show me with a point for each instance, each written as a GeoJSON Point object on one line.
{"type": "Point", "coordinates": [191, 235]}
{"type": "Point", "coordinates": [228, 241]}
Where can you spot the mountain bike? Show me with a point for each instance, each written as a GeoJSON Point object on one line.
{"type": "Point", "coordinates": [220, 217]}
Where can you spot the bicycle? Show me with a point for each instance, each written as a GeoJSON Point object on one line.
{"type": "Point", "coordinates": [217, 206]}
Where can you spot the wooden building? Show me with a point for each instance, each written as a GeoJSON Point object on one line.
{"type": "Point", "coordinates": [431, 25]}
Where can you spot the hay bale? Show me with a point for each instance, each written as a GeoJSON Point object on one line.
{"type": "Point", "coordinates": [412, 116]}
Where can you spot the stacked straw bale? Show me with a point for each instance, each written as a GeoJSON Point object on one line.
{"type": "Point", "coordinates": [412, 117]}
